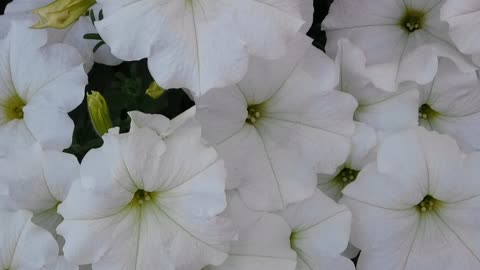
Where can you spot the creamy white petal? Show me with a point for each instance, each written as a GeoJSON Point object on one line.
{"type": "Point", "coordinates": [51, 127]}
{"type": "Point", "coordinates": [196, 40]}
{"type": "Point", "coordinates": [263, 240]}
{"type": "Point", "coordinates": [157, 122]}
{"type": "Point", "coordinates": [403, 152]}
{"type": "Point", "coordinates": [462, 17]}
{"type": "Point", "coordinates": [222, 113]}
{"type": "Point", "coordinates": [319, 237]}
{"type": "Point", "coordinates": [363, 142]}
{"type": "Point", "coordinates": [138, 243]}
{"type": "Point", "coordinates": [388, 112]}
{"type": "Point", "coordinates": [24, 245]}
{"type": "Point", "coordinates": [41, 183]}
{"type": "Point", "coordinates": [375, 228]}
{"type": "Point", "coordinates": [355, 74]}
{"type": "Point", "coordinates": [89, 240]}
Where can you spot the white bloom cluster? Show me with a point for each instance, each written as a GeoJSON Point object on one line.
{"type": "Point", "coordinates": [364, 157]}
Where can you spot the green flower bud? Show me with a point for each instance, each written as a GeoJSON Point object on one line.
{"type": "Point", "coordinates": [154, 90]}
{"type": "Point", "coordinates": [99, 114]}
{"type": "Point", "coordinates": [61, 13]}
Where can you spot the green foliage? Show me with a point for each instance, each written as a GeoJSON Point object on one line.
{"type": "Point", "coordinates": [123, 88]}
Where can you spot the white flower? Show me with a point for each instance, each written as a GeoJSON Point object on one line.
{"type": "Point", "coordinates": [199, 44]}
{"type": "Point", "coordinates": [263, 241]}
{"type": "Point", "coordinates": [39, 85]}
{"type": "Point", "coordinates": [407, 35]}
{"type": "Point", "coordinates": [73, 35]}
{"type": "Point", "coordinates": [38, 181]}
{"type": "Point", "coordinates": [147, 203]}
{"type": "Point", "coordinates": [23, 245]}
{"type": "Point", "coordinates": [385, 111]}
{"type": "Point", "coordinates": [309, 235]}
{"type": "Point", "coordinates": [416, 207]}
{"type": "Point", "coordinates": [279, 126]}
{"type": "Point", "coordinates": [463, 18]}
{"type": "Point", "coordinates": [320, 233]}
{"type": "Point", "coordinates": [451, 105]}
{"type": "Point", "coordinates": [363, 143]}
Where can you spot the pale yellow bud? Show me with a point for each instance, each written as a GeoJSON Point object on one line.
{"type": "Point", "coordinates": [99, 114]}
{"type": "Point", "coordinates": [154, 90]}
{"type": "Point", "coordinates": [61, 13]}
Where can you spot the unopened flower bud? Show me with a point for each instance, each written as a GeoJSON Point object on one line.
{"type": "Point", "coordinates": [61, 13]}
{"type": "Point", "coordinates": [99, 114]}
{"type": "Point", "coordinates": [154, 90]}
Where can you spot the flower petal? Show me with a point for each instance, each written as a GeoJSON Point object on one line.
{"type": "Point", "coordinates": [24, 245]}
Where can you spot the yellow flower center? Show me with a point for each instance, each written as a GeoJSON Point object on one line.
{"type": "Point", "coordinates": [13, 108]}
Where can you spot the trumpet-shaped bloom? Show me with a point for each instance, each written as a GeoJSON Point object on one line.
{"type": "Point", "coordinates": [320, 229]}
{"type": "Point", "coordinates": [38, 181]}
{"type": "Point", "coordinates": [24, 245]}
{"type": "Point", "coordinates": [463, 16]}
{"type": "Point", "coordinates": [147, 203]}
{"type": "Point", "coordinates": [405, 36]}
{"type": "Point", "coordinates": [363, 143]}
{"type": "Point", "coordinates": [416, 206]}
{"type": "Point", "coordinates": [39, 85]}
{"type": "Point", "coordinates": [73, 35]}
{"type": "Point", "coordinates": [451, 105]}
{"type": "Point", "coordinates": [199, 44]}
{"type": "Point", "coordinates": [309, 235]}
{"type": "Point", "coordinates": [279, 126]}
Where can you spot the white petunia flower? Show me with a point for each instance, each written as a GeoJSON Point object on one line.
{"type": "Point", "coordinates": [24, 245]}
{"type": "Point", "coordinates": [279, 126]}
{"type": "Point", "coordinates": [73, 35]}
{"type": "Point", "coordinates": [148, 203]}
{"type": "Point", "coordinates": [263, 241]}
{"type": "Point", "coordinates": [309, 235]}
{"type": "Point", "coordinates": [416, 207]}
{"type": "Point", "coordinates": [451, 105]}
{"type": "Point", "coordinates": [405, 36]}
{"type": "Point", "coordinates": [199, 44]}
{"type": "Point", "coordinates": [463, 16]}
{"type": "Point", "coordinates": [320, 233]}
{"type": "Point", "coordinates": [363, 143]}
{"type": "Point", "coordinates": [39, 85]}
{"type": "Point", "coordinates": [386, 112]}
{"type": "Point", "coordinates": [38, 181]}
